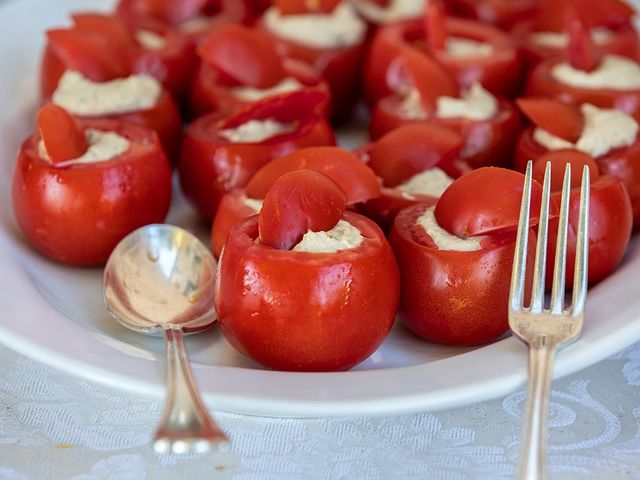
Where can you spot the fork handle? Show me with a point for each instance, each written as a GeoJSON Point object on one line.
{"type": "Point", "coordinates": [533, 452]}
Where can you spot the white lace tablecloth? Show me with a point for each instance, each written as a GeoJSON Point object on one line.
{"type": "Point", "coordinates": [55, 426]}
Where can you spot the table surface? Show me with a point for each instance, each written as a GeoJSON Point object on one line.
{"type": "Point", "coordinates": [55, 426]}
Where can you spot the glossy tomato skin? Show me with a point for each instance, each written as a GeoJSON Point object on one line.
{"type": "Point", "coordinates": [621, 163]}
{"type": "Point", "coordinates": [383, 210]}
{"type": "Point", "coordinates": [339, 66]}
{"type": "Point", "coordinates": [453, 297]}
{"type": "Point", "coordinates": [542, 83]}
{"type": "Point", "coordinates": [501, 72]}
{"type": "Point", "coordinates": [624, 42]}
{"type": "Point", "coordinates": [306, 311]}
{"type": "Point", "coordinates": [211, 166]}
{"type": "Point", "coordinates": [212, 92]}
{"type": "Point", "coordinates": [231, 211]}
{"type": "Point", "coordinates": [487, 142]}
{"type": "Point", "coordinates": [610, 224]}
{"type": "Point", "coordinates": [77, 214]}
{"type": "Point", "coordinates": [500, 13]}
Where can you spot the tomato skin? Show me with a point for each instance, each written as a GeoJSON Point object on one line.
{"type": "Point", "coordinates": [212, 92]}
{"type": "Point", "coordinates": [453, 297]}
{"type": "Point", "coordinates": [210, 165]}
{"type": "Point", "coordinates": [231, 211]}
{"type": "Point", "coordinates": [77, 214]}
{"type": "Point", "coordinates": [500, 13]}
{"type": "Point", "coordinates": [339, 66]}
{"type": "Point", "coordinates": [610, 224]}
{"type": "Point", "coordinates": [501, 72]}
{"type": "Point", "coordinates": [302, 311]}
{"type": "Point", "coordinates": [622, 163]}
{"type": "Point", "coordinates": [383, 210]}
{"type": "Point", "coordinates": [487, 142]}
{"type": "Point", "coordinates": [541, 83]}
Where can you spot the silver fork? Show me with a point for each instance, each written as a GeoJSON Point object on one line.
{"type": "Point", "coordinates": [544, 330]}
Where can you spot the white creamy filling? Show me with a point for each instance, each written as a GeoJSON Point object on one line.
{"type": "Point", "coordinates": [443, 239]}
{"type": "Point", "coordinates": [102, 146]}
{"type": "Point", "coordinates": [80, 96]}
{"type": "Point", "coordinates": [614, 72]}
{"type": "Point", "coordinates": [475, 103]}
{"type": "Point", "coordinates": [195, 24]}
{"type": "Point", "coordinates": [253, 203]}
{"type": "Point", "coordinates": [412, 106]}
{"type": "Point", "coordinates": [250, 94]}
{"type": "Point", "coordinates": [150, 40]}
{"type": "Point", "coordinates": [340, 28]}
{"type": "Point", "coordinates": [604, 130]}
{"type": "Point", "coordinates": [256, 131]}
{"type": "Point", "coordinates": [460, 47]}
{"type": "Point", "coordinates": [599, 36]}
{"type": "Point", "coordinates": [432, 182]}
{"type": "Point", "coordinates": [396, 11]}
{"type": "Point", "coordinates": [343, 236]}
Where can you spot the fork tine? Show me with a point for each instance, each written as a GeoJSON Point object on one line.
{"type": "Point", "coordinates": [516, 297]}
{"type": "Point", "coordinates": [537, 296]}
{"type": "Point", "coordinates": [582, 248]}
{"type": "Point", "coordinates": [559, 268]}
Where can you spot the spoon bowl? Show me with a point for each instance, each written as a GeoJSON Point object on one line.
{"type": "Point", "coordinates": [159, 280]}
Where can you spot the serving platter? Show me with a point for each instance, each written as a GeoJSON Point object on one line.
{"type": "Point", "coordinates": [56, 314]}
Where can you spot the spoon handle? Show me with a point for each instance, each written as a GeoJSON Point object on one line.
{"type": "Point", "coordinates": [186, 426]}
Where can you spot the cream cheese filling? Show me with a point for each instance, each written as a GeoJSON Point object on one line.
{"type": "Point", "coordinates": [613, 73]}
{"type": "Point", "coordinates": [432, 182]}
{"type": "Point", "coordinates": [396, 11]}
{"type": "Point", "coordinates": [102, 146]}
{"type": "Point", "coordinates": [256, 131]}
{"type": "Point", "coordinates": [250, 94]}
{"type": "Point", "coordinates": [343, 236]}
{"type": "Point", "coordinates": [443, 239]}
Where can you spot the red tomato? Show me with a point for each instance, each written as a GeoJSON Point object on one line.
{"type": "Point", "coordinates": [356, 179]}
{"type": "Point", "coordinates": [292, 310]}
{"type": "Point", "coordinates": [210, 165]}
{"type": "Point", "coordinates": [213, 91]}
{"type": "Point", "coordinates": [610, 217]}
{"type": "Point", "coordinates": [298, 7]}
{"type": "Point", "coordinates": [500, 13]}
{"type": "Point", "coordinates": [559, 160]}
{"type": "Point", "coordinates": [562, 120]}
{"type": "Point", "coordinates": [170, 11]}
{"type": "Point", "coordinates": [500, 72]}
{"type": "Point", "coordinates": [581, 52]}
{"type": "Point", "coordinates": [344, 168]}
{"type": "Point", "coordinates": [339, 66]}
{"type": "Point", "coordinates": [97, 41]}
{"type": "Point", "coordinates": [76, 214]}
{"type": "Point", "coordinates": [246, 55]}
{"type": "Point", "coordinates": [399, 155]}
{"type": "Point", "coordinates": [487, 142]}
{"type": "Point", "coordinates": [621, 163]}
{"type": "Point", "coordinates": [63, 138]}
{"type": "Point", "coordinates": [449, 296]}
{"type": "Point", "coordinates": [485, 201]}
{"type": "Point", "coordinates": [542, 83]}
{"type": "Point", "coordinates": [297, 202]}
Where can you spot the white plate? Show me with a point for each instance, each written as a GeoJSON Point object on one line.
{"type": "Point", "coordinates": [56, 315]}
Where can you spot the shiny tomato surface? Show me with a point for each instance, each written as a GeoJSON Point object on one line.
{"type": "Point", "coordinates": [76, 214]}
{"type": "Point", "coordinates": [448, 296]}
{"type": "Point", "coordinates": [542, 83]}
{"type": "Point", "coordinates": [487, 142]}
{"type": "Point", "coordinates": [500, 13]}
{"type": "Point", "coordinates": [500, 72]}
{"type": "Point", "coordinates": [210, 165]}
{"type": "Point", "coordinates": [306, 311]}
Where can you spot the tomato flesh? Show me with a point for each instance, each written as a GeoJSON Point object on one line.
{"type": "Point", "coordinates": [63, 138]}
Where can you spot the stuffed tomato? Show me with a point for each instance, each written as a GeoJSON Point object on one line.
{"type": "Point", "coordinates": [137, 99]}
{"type": "Point", "coordinates": [415, 164]}
{"type": "Point", "coordinates": [610, 136]}
{"type": "Point", "coordinates": [314, 288]}
{"type": "Point", "coordinates": [81, 186]}
{"type": "Point", "coordinates": [610, 213]}
{"type": "Point", "coordinates": [379, 13]}
{"type": "Point", "coordinates": [546, 34]}
{"type": "Point", "coordinates": [222, 152]}
{"type": "Point", "coordinates": [456, 258]}
{"type": "Point", "coordinates": [488, 125]}
{"type": "Point", "coordinates": [330, 39]}
{"type": "Point", "coordinates": [241, 66]}
{"type": "Point", "coordinates": [473, 52]}
{"type": "Point", "coordinates": [503, 14]}
{"type": "Point", "coordinates": [103, 47]}
{"type": "Point", "coordinates": [356, 179]}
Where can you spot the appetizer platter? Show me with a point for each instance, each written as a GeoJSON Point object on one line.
{"type": "Point", "coordinates": [369, 277]}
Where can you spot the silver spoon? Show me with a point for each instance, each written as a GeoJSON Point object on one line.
{"type": "Point", "coordinates": [159, 280]}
